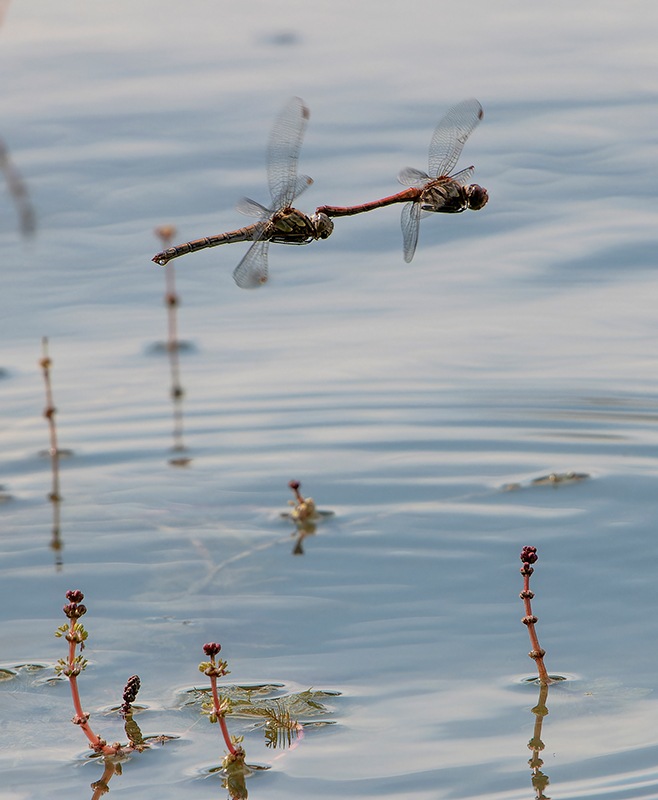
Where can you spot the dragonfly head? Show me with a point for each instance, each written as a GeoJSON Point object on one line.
{"type": "Point", "coordinates": [323, 225]}
{"type": "Point", "coordinates": [476, 196]}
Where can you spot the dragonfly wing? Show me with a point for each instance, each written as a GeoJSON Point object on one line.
{"type": "Point", "coordinates": [450, 136]}
{"type": "Point", "coordinates": [463, 176]}
{"type": "Point", "coordinates": [283, 153]}
{"type": "Point", "coordinates": [251, 272]}
{"type": "Point", "coordinates": [410, 228]}
{"type": "Point", "coordinates": [413, 177]}
{"type": "Point", "coordinates": [252, 209]}
{"type": "Point", "coordinates": [301, 185]}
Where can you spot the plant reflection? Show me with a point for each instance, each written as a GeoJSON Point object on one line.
{"type": "Point", "coordinates": [113, 763]}
{"type": "Point", "coordinates": [234, 779]}
{"type": "Point", "coordinates": [17, 189]}
{"type": "Point", "coordinates": [112, 767]}
{"type": "Point", "coordinates": [56, 544]}
{"type": "Point", "coordinates": [302, 530]}
{"type": "Point", "coordinates": [539, 779]}
{"type": "Point", "coordinates": [54, 452]}
{"type": "Point", "coordinates": [173, 347]}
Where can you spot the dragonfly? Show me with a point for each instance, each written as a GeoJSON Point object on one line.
{"type": "Point", "coordinates": [435, 190]}
{"type": "Point", "coordinates": [281, 223]}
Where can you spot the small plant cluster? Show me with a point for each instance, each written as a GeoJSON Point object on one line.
{"type": "Point", "coordinates": [75, 663]}
{"type": "Point", "coordinates": [219, 706]}
{"type": "Point", "coordinates": [304, 509]}
{"type": "Point", "coordinates": [305, 515]}
{"type": "Point", "coordinates": [280, 727]}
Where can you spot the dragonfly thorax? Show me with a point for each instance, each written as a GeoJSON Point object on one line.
{"type": "Point", "coordinates": [291, 226]}
{"type": "Point", "coordinates": [447, 196]}
{"type": "Point", "coordinates": [444, 196]}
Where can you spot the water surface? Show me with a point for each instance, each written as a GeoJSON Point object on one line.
{"type": "Point", "coordinates": [520, 342]}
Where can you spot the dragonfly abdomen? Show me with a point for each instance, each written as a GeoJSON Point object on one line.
{"type": "Point", "coordinates": [246, 234]}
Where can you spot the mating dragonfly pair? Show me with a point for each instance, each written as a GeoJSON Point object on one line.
{"type": "Point", "coordinates": [434, 191]}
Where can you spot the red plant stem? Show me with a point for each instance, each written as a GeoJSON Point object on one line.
{"type": "Point", "coordinates": [81, 718]}
{"type": "Point", "coordinates": [295, 486]}
{"type": "Point", "coordinates": [220, 715]}
{"type": "Point", "coordinates": [536, 653]}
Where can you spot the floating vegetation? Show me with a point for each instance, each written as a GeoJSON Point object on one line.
{"type": "Point", "coordinates": [552, 479]}
{"type": "Point", "coordinates": [282, 717]}
{"type": "Point", "coordinates": [304, 509]}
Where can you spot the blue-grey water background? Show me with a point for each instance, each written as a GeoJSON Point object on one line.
{"type": "Point", "coordinates": [521, 341]}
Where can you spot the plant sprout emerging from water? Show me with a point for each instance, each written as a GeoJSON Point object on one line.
{"type": "Point", "coordinates": [528, 557]}
{"type": "Point", "coordinates": [75, 634]}
{"type": "Point", "coordinates": [219, 706]}
{"type": "Point", "coordinates": [304, 509]}
{"type": "Point", "coordinates": [305, 515]}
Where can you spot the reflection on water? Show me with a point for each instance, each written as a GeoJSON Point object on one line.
{"type": "Point", "coordinates": [55, 453]}
{"type": "Point", "coordinates": [173, 347]}
{"type": "Point", "coordinates": [17, 188]}
{"type": "Point", "coordinates": [539, 779]}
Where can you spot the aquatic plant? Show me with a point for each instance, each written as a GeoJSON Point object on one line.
{"type": "Point", "coordinates": [220, 705]}
{"type": "Point", "coordinates": [305, 515]}
{"type": "Point", "coordinates": [528, 557]}
{"type": "Point", "coordinates": [304, 509]}
{"type": "Point", "coordinates": [70, 667]}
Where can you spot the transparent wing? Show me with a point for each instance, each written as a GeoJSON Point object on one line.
{"type": "Point", "coordinates": [301, 185]}
{"type": "Point", "coordinates": [451, 134]}
{"type": "Point", "coordinates": [410, 227]}
{"type": "Point", "coordinates": [413, 177]}
{"type": "Point", "coordinates": [251, 272]}
{"type": "Point", "coordinates": [251, 208]}
{"type": "Point", "coordinates": [464, 176]}
{"type": "Point", "coordinates": [283, 153]}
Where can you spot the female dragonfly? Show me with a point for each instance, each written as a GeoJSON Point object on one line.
{"type": "Point", "coordinates": [281, 223]}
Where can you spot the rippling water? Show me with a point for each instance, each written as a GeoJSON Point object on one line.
{"type": "Point", "coordinates": [418, 402]}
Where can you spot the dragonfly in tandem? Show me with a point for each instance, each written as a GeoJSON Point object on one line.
{"type": "Point", "coordinates": [435, 190]}
{"type": "Point", "coordinates": [281, 223]}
